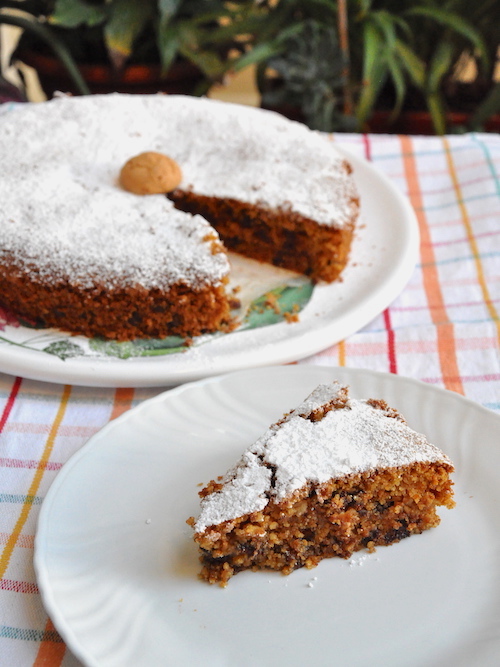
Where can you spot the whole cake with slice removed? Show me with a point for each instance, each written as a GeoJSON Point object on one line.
{"type": "Point", "coordinates": [85, 248]}
{"type": "Point", "coordinates": [333, 476]}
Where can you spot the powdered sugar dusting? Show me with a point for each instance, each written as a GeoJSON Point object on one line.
{"type": "Point", "coordinates": [245, 491]}
{"type": "Point", "coordinates": [63, 211]}
{"type": "Point", "coordinates": [323, 394]}
{"type": "Point", "coordinates": [351, 439]}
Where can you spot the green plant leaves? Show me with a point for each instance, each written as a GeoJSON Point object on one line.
{"type": "Point", "coordinates": [407, 45]}
{"type": "Point", "coordinates": [411, 63]}
{"type": "Point", "coordinates": [490, 106]}
{"type": "Point", "coordinates": [127, 19]}
{"type": "Point", "coordinates": [386, 56]}
{"type": "Point", "coordinates": [311, 69]}
{"type": "Point", "coordinates": [267, 50]}
{"type": "Point", "coordinates": [168, 8]}
{"type": "Point", "coordinates": [410, 46]}
{"type": "Point", "coordinates": [456, 23]}
{"type": "Point", "coordinates": [374, 71]}
{"type": "Point", "coordinates": [72, 13]}
{"type": "Point", "coordinates": [212, 34]}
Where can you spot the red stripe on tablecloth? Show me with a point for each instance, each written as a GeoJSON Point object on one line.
{"type": "Point", "coordinates": [367, 147]}
{"type": "Point", "coordinates": [391, 348]}
{"type": "Point", "coordinates": [440, 172]}
{"type": "Point", "coordinates": [493, 377]}
{"type": "Point", "coordinates": [29, 464]}
{"type": "Point", "coordinates": [18, 586]}
{"type": "Point", "coordinates": [10, 403]}
{"type": "Point", "coordinates": [450, 242]}
{"type": "Point", "coordinates": [391, 342]}
{"type": "Point", "coordinates": [461, 305]}
{"type": "Point", "coordinates": [369, 348]}
{"type": "Point", "coordinates": [68, 430]}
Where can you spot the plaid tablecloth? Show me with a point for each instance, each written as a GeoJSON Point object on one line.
{"type": "Point", "coordinates": [443, 329]}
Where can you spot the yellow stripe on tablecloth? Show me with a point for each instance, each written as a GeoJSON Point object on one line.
{"type": "Point", "coordinates": [13, 538]}
{"type": "Point", "coordinates": [470, 236]}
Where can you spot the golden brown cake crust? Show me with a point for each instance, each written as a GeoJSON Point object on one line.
{"type": "Point", "coordinates": [333, 519]}
{"type": "Point", "coordinates": [120, 314]}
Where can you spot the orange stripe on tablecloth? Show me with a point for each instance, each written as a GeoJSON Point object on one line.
{"type": "Point", "coordinates": [122, 403]}
{"type": "Point", "coordinates": [52, 648]}
{"type": "Point", "coordinates": [446, 343]}
{"type": "Point", "coordinates": [342, 353]}
{"type": "Point", "coordinates": [37, 478]}
{"type": "Point", "coordinates": [470, 236]}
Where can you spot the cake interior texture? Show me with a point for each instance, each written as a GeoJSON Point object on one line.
{"type": "Point", "coordinates": [362, 509]}
{"type": "Point", "coordinates": [279, 237]}
{"type": "Point", "coordinates": [118, 313]}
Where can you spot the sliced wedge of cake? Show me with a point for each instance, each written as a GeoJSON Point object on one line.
{"type": "Point", "coordinates": [333, 476]}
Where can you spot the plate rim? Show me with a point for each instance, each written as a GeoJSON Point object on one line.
{"type": "Point", "coordinates": [43, 520]}
{"type": "Point", "coordinates": [139, 372]}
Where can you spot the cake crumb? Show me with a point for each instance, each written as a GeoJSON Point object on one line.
{"type": "Point", "coordinates": [272, 302]}
{"type": "Point", "coordinates": [293, 316]}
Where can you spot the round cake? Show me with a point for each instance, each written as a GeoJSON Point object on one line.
{"type": "Point", "coordinates": [79, 252]}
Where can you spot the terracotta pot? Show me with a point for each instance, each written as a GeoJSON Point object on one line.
{"type": "Point", "coordinates": [420, 122]}
{"type": "Point", "coordinates": [408, 122]}
{"type": "Point", "coordinates": [182, 78]}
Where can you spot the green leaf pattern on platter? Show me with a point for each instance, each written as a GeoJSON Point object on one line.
{"type": "Point", "coordinates": [64, 349]}
{"type": "Point", "coordinates": [148, 347]}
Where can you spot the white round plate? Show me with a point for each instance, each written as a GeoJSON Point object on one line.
{"type": "Point", "coordinates": [383, 257]}
{"type": "Point", "coordinates": [117, 567]}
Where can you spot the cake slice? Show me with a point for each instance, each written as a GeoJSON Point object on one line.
{"type": "Point", "coordinates": [333, 476]}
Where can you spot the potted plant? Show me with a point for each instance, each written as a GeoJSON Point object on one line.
{"type": "Point", "coordinates": [376, 65]}
{"type": "Point", "coordinates": [84, 46]}
{"type": "Point", "coordinates": [366, 64]}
